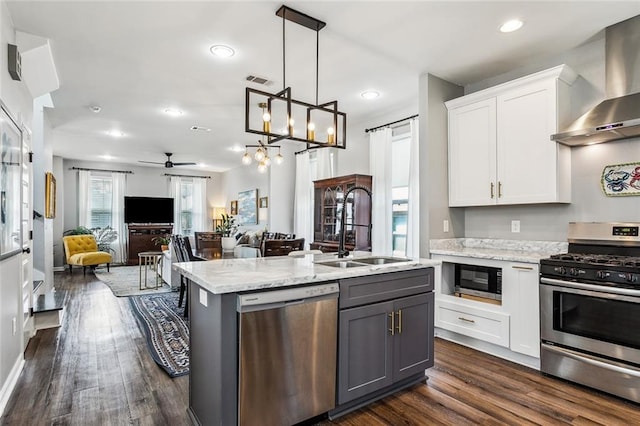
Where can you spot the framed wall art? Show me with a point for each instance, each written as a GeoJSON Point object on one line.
{"type": "Point", "coordinates": [49, 196]}
{"type": "Point", "coordinates": [264, 202]}
{"type": "Point", "coordinates": [248, 207]}
{"type": "Point", "coordinates": [10, 185]}
{"type": "Point", "coordinates": [621, 180]}
{"type": "Point", "coordinates": [234, 208]}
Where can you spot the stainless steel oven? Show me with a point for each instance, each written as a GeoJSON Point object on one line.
{"type": "Point", "coordinates": [590, 309]}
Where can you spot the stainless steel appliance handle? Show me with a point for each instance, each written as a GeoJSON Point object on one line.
{"type": "Point", "coordinates": [592, 361]}
{"type": "Point", "coordinates": [591, 287]}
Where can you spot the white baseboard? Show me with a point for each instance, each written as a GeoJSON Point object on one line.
{"type": "Point", "coordinates": [59, 269]}
{"type": "Point", "coordinates": [10, 383]}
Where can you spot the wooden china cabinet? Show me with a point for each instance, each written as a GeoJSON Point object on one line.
{"type": "Point", "coordinates": [328, 202]}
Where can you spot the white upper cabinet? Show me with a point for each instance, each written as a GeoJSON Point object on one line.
{"type": "Point", "coordinates": [500, 150]}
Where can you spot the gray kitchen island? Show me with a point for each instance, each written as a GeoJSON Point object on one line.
{"type": "Point", "coordinates": [279, 340]}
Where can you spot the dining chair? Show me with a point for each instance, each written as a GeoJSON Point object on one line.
{"type": "Point", "coordinates": [282, 247]}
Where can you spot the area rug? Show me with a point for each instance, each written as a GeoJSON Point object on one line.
{"type": "Point", "coordinates": [125, 281]}
{"type": "Point", "coordinates": [166, 330]}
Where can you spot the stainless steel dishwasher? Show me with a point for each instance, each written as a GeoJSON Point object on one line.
{"type": "Point", "coordinates": [287, 340]}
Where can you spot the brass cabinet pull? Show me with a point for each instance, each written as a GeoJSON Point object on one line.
{"type": "Point", "coordinates": [524, 268]}
{"type": "Point", "coordinates": [466, 320]}
{"type": "Point", "coordinates": [399, 321]}
{"type": "Point", "coordinates": [492, 190]}
{"type": "Point", "coordinates": [393, 320]}
{"type": "Point", "coordinates": [499, 189]}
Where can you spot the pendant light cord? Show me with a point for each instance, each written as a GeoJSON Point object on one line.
{"type": "Point", "coordinates": [317, 61]}
{"type": "Point", "coordinates": [284, 62]}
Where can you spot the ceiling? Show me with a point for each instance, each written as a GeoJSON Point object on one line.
{"type": "Point", "coordinates": [136, 59]}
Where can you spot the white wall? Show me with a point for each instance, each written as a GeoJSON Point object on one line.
{"type": "Point", "coordinates": [16, 97]}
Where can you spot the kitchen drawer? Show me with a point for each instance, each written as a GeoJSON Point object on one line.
{"type": "Point", "coordinates": [377, 288]}
{"type": "Point", "coordinates": [486, 325]}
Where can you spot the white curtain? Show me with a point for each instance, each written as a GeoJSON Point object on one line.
{"type": "Point", "coordinates": [303, 201]}
{"type": "Point", "coordinates": [118, 187]}
{"type": "Point", "coordinates": [84, 207]}
{"type": "Point", "coordinates": [174, 191]}
{"type": "Point", "coordinates": [324, 164]}
{"type": "Point", "coordinates": [381, 213]}
{"type": "Point", "coordinates": [199, 213]}
{"type": "Point", "coordinates": [413, 215]}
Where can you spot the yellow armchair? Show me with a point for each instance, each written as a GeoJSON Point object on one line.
{"type": "Point", "coordinates": [82, 250]}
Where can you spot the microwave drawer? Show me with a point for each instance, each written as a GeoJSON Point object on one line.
{"type": "Point", "coordinates": [489, 326]}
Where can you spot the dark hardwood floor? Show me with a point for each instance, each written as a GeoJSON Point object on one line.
{"type": "Point", "coordinates": [96, 370]}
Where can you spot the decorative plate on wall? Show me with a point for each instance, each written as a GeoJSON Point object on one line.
{"type": "Point", "coordinates": [621, 180]}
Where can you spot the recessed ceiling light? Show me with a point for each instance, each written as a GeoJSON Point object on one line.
{"type": "Point", "coordinates": [173, 112]}
{"type": "Point", "coordinates": [236, 148]}
{"type": "Point", "coordinates": [95, 108]}
{"type": "Point", "coordinates": [512, 25]}
{"type": "Point", "coordinates": [370, 94]}
{"type": "Point", "coordinates": [106, 157]}
{"type": "Point", "coordinates": [115, 133]}
{"type": "Point", "coordinates": [222, 51]}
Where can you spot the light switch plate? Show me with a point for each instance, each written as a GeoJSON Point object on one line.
{"type": "Point", "coordinates": [445, 225]}
{"type": "Point", "coordinates": [515, 226]}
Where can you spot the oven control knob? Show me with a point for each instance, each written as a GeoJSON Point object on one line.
{"type": "Point", "coordinates": [602, 274]}
{"type": "Point", "coordinates": [629, 277]}
{"type": "Point", "coordinates": [560, 270]}
{"type": "Point", "coordinates": [573, 271]}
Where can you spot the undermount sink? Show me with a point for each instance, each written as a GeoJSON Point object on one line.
{"type": "Point", "coordinates": [363, 261]}
{"type": "Point", "coordinates": [341, 264]}
{"type": "Point", "coordinates": [380, 260]}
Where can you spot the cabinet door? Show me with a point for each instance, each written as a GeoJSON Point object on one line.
{"type": "Point", "coordinates": [413, 337]}
{"type": "Point", "coordinates": [472, 154]}
{"type": "Point", "coordinates": [364, 350]}
{"type": "Point", "coordinates": [521, 298]}
{"type": "Point", "coordinates": [527, 158]}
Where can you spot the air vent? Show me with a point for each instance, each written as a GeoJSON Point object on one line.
{"type": "Point", "coordinates": [258, 80]}
{"type": "Point", "coordinates": [201, 128]}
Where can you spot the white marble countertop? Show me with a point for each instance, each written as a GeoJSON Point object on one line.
{"type": "Point", "coordinates": [237, 275]}
{"type": "Point", "coordinates": [507, 250]}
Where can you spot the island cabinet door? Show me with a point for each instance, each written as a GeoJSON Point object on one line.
{"type": "Point", "coordinates": [364, 351]}
{"type": "Point", "coordinates": [413, 336]}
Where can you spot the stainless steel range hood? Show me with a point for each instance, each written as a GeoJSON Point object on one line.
{"type": "Point", "coordinates": [618, 117]}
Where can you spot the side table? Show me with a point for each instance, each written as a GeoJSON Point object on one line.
{"type": "Point", "coordinates": [150, 260]}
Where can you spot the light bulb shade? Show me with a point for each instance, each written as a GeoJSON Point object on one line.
{"type": "Point", "coordinates": [259, 155]}
{"type": "Point", "coordinates": [246, 159]}
{"type": "Point", "coordinates": [262, 168]}
{"type": "Point", "coordinates": [279, 159]}
{"type": "Point", "coordinates": [267, 161]}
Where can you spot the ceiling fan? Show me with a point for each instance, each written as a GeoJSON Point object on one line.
{"type": "Point", "coordinates": [168, 164]}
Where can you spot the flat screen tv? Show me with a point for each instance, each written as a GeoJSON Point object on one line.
{"type": "Point", "coordinates": [148, 210]}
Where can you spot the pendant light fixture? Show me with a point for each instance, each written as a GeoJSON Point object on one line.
{"type": "Point", "coordinates": [318, 125]}
{"type": "Point", "coordinates": [261, 155]}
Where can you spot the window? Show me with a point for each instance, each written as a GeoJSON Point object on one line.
{"type": "Point", "coordinates": [100, 201]}
{"type": "Point", "coordinates": [186, 206]}
{"type": "Point", "coordinates": [400, 207]}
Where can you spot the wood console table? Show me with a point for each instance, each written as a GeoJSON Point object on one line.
{"type": "Point", "coordinates": [140, 239]}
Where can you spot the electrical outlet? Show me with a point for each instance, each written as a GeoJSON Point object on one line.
{"type": "Point", "coordinates": [515, 226]}
{"type": "Point", "coordinates": [14, 325]}
{"type": "Point", "coordinates": [445, 225]}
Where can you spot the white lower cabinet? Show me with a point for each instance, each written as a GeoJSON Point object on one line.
{"type": "Point", "coordinates": [490, 326]}
{"type": "Point", "coordinates": [523, 300]}
{"type": "Point", "coordinates": [515, 324]}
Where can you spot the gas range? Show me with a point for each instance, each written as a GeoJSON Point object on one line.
{"type": "Point", "coordinates": [590, 309]}
{"type": "Point", "coordinates": [603, 253]}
